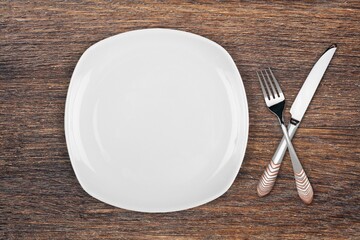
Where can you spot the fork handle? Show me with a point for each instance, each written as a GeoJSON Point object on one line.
{"type": "Point", "coordinates": [303, 185]}
{"type": "Point", "coordinates": [282, 147]}
{"type": "Point", "coordinates": [268, 178]}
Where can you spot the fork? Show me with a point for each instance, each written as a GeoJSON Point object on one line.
{"type": "Point", "coordinates": [275, 101]}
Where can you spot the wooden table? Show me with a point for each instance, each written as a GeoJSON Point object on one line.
{"type": "Point", "coordinates": [40, 44]}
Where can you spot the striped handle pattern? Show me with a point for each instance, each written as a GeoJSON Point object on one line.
{"type": "Point", "coordinates": [303, 186]}
{"type": "Point", "coordinates": [268, 178]}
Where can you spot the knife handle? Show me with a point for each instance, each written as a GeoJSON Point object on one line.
{"type": "Point", "coordinates": [303, 185]}
{"type": "Point", "coordinates": [304, 188]}
{"type": "Point", "coordinates": [280, 151]}
{"type": "Point", "coordinates": [269, 176]}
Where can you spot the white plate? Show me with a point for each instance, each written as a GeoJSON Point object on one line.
{"type": "Point", "coordinates": [156, 120]}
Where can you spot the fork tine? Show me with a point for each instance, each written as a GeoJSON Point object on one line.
{"type": "Point", "coordinates": [262, 86]}
{"type": "Point", "coordinates": [276, 82]}
{"type": "Point", "coordinates": [271, 83]}
{"type": "Point", "coordinates": [267, 86]}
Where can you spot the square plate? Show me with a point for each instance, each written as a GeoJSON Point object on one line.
{"type": "Point", "coordinates": [156, 120]}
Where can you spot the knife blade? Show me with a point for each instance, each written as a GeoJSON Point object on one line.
{"type": "Point", "coordinates": [303, 99]}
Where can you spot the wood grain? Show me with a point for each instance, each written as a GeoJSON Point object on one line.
{"type": "Point", "coordinates": [40, 43]}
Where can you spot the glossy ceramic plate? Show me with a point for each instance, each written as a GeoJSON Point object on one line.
{"type": "Point", "coordinates": [156, 120]}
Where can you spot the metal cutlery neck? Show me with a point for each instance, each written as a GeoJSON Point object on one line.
{"type": "Point", "coordinates": [278, 109]}
{"type": "Point", "coordinates": [294, 122]}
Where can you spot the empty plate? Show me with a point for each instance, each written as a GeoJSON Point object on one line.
{"type": "Point", "coordinates": [156, 120]}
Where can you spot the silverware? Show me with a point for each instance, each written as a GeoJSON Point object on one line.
{"type": "Point", "coordinates": [297, 111]}
{"type": "Point", "coordinates": [275, 101]}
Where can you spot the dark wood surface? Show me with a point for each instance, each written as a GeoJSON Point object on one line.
{"type": "Point", "coordinates": [40, 44]}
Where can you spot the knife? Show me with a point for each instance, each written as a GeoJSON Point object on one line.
{"type": "Point", "coordinates": [297, 111]}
